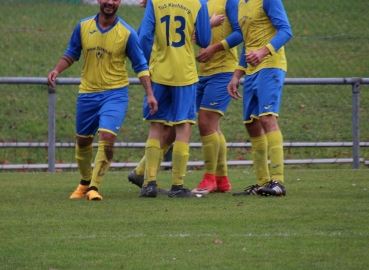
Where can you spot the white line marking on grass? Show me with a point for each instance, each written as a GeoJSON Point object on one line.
{"type": "Point", "coordinates": [182, 235]}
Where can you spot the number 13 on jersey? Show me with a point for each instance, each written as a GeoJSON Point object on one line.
{"type": "Point", "coordinates": [179, 30]}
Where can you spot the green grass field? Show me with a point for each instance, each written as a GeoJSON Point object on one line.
{"type": "Point", "coordinates": [322, 223]}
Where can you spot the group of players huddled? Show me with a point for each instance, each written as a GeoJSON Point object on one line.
{"type": "Point", "coordinates": [178, 93]}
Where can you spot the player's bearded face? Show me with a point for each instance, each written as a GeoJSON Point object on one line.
{"type": "Point", "coordinates": [109, 8]}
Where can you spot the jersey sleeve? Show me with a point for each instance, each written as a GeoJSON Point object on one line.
{"type": "Point", "coordinates": [146, 31]}
{"type": "Point", "coordinates": [75, 44]}
{"type": "Point", "coordinates": [242, 64]}
{"type": "Point", "coordinates": [135, 54]}
{"type": "Point", "coordinates": [235, 37]}
{"type": "Point", "coordinates": [277, 14]}
{"type": "Point", "coordinates": [203, 27]}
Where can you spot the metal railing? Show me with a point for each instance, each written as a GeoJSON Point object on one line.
{"type": "Point", "coordinates": [52, 145]}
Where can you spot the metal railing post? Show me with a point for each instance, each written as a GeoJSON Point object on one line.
{"type": "Point", "coordinates": [52, 131]}
{"type": "Point", "coordinates": [356, 122]}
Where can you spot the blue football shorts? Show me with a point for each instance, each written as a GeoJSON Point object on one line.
{"type": "Point", "coordinates": [101, 111]}
{"type": "Point", "coordinates": [262, 93]}
{"type": "Point", "coordinates": [176, 104]}
{"type": "Point", "coordinates": [212, 94]}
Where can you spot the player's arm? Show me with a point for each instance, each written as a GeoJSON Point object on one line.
{"type": "Point", "coordinates": [71, 55]}
{"type": "Point", "coordinates": [216, 20]}
{"type": "Point", "coordinates": [275, 11]}
{"type": "Point", "coordinates": [143, 3]}
{"type": "Point", "coordinates": [242, 64]}
{"type": "Point", "coordinates": [235, 38]}
{"type": "Point", "coordinates": [230, 41]}
{"type": "Point", "coordinates": [151, 101]}
{"type": "Point", "coordinates": [256, 57]}
{"type": "Point", "coordinates": [237, 75]}
{"type": "Point", "coordinates": [65, 62]}
{"type": "Point", "coordinates": [235, 83]}
{"type": "Point", "coordinates": [203, 27]}
{"type": "Point", "coordinates": [135, 54]}
{"type": "Point", "coordinates": [206, 54]}
{"type": "Point", "coordinates": [139, 65]}
{"type": "Point", "coordinates": [146, 31]}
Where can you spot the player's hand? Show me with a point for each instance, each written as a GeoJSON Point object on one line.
{"type": "Point", "coordinates": [254, 58]}
{"type": "Point", "coordinates": [216, 20]}
{"type": "Point", "coordinates": [206, 54]}
{"type": "Point", "coordinates": [152, 103]}
{"type": "Point", "coordinates": [143, 3]}
{"type": "Point", "coordinates": [233, 88]}
{"type": "Point", "coordinates": [52, 77]}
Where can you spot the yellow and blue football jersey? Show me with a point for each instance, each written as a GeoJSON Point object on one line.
{"type": "Point", "coordinates": [229, 34]}
{"type": "Point", "coordinates": [264, 23]}
{"type": "Point", "coordinates": [105, 53]}
{"type": "Point", "coordinates": [168, 26]}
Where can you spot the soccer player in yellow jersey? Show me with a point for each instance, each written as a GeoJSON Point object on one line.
{"type": "Point", "coordinates": [217, 63]}
{"type": "Point", "coordinates": [168, 26]}
{"type": "Point", "coordinates": [106, 41]}
{"type": "Point", "coordinates": [136, 176]}
{"type": "Point", "coordinates": [266, 29]}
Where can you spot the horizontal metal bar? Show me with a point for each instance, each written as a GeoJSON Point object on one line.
{"type": "Point", "coordinates": [189, 164]}
{"type": "Point", "coordinates": [287, 81]}
{"type": "Point", "coordinates": [192, 145]}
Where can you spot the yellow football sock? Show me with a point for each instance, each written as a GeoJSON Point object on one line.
{"type": "Point", "coordinates": [103, 159]}
{"type": "Point", "coordinates": [222, 169]}
{"type": "Point", "coordinates": [161, 156]}
{"type": "Point", "coordinates": [166, 148]}
{"type": "Point", "coordinates": [84, 159]}
{"type": "Point", "coordinates": [210, 151]}
{"type": "Point", "coordinates": [152, 153]}
{"type": "Point", "coordinates": [260, 158]}
{"type": "Point", "coordinates": [140, 169]}
{"type": "Point", "coordinates": [275, 143]}
{"type": "Point", "coordinates": [180, 159]}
